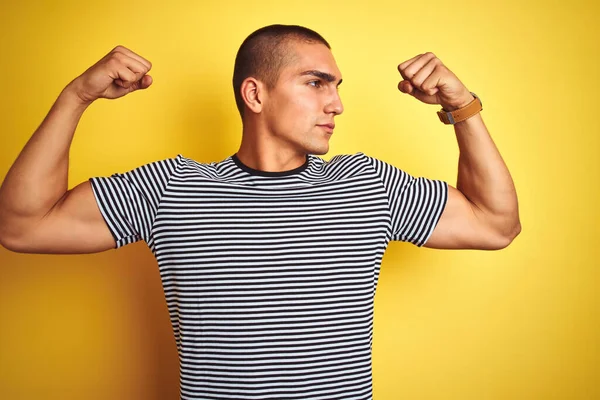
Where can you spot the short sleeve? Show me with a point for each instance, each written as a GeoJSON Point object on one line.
{"type": "Point", "coordinates": [129, 201]}
{"type": "Point", "coordinates": [416, 204]}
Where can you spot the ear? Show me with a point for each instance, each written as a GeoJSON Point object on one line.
{"type": "Point", "coordinates": [253, 92]}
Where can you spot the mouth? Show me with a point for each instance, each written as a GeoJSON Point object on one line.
{"type": "Point", "coordinates": [328, 127]}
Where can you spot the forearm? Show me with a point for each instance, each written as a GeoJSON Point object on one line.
{"type": "Point", "coordinates": [39, 176]}
{"type": "Point", "coordinates": [483, 177]}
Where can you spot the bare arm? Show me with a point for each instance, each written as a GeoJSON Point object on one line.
{"type": "Point", "coordinates": [37, 212]}
{"type": "Point", "coordinates": [482, 211]}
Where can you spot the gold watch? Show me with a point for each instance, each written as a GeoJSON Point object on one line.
{"type": "Point", "coordinates": [452, 117]}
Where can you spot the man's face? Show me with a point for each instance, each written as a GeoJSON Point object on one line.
{"type": "Point", "coordinates": [300, 109]}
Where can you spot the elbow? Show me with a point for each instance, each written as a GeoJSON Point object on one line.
{"type": "Point", "coordinates": [509, 235]}
{"type": "Point", "coordinates": [10, 239]}
{"type": "Point", "coordinates": [9, 244]}
{"type": "Point", "coordinates": [4, 239]}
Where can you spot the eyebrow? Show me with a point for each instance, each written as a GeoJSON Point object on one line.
{"type": "Point", "coordinates": [323, 75]}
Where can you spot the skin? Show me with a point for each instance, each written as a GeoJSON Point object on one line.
{"type": "Point", "coordinates": [37, 212]}
{"type": "Point", "coordinates": [482, 210]}
{"type": "Point", "coordinates": [285, 123]}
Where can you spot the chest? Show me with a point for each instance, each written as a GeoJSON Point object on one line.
{"type": "Point", "coordinates": [229, 210]}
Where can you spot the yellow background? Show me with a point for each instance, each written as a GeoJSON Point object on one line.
{"type": "Point", "coordinates": [521, 323]}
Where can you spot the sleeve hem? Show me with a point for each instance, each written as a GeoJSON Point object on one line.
{"type": "Point", "coordinates": [119, 241]}
{"type": "Point", "coordinates": [438, 215]}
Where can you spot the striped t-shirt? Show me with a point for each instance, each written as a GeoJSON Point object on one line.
{"type": "Point", "coordinates": [270, 277]}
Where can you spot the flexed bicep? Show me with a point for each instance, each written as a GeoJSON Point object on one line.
{"type": "Point", "coordinates": [463, 225]}
{"type": "Point", "coordinates": [73, 226]}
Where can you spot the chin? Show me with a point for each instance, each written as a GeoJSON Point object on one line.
{"type": "Point", "coordinates": [318, 150]}
{"type": "Point", "coordinates": [317, 145]}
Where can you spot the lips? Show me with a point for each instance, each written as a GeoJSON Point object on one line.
{"type": "Point", "coordinates": [327, 127]}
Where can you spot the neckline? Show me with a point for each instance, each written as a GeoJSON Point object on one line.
{"type": "Point", "coordinates": [258, 172]}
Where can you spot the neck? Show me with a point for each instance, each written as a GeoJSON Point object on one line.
{"type": "Point", "coordinates": [262, 151]}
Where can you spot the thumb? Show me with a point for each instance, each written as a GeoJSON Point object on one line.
{"type": "Point", "coordinates": [408, 88]}
{"type": "Point", "coordinates": [143, 83]}
{"type": "Point", "coordinates": [405, 87]}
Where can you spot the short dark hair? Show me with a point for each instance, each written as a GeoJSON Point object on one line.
{"type": "Point", "coordinates": [263, 54]}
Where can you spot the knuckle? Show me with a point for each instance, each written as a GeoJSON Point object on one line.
{"type": "Point", "coordinates": [116, 58]}
{"type": "Point", "coordinates": [114, 61]}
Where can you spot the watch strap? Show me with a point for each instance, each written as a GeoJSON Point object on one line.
{"type": "Point", "coordinates": [452, 117]}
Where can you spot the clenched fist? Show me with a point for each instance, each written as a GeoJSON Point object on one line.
{"type": "Point", "coordinates": [118, 73]}
{"type": "Point", "coordinates": [429, 80]}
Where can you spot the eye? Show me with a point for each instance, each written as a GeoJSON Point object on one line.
{"type": "Point", "coordinates": [316, 84]}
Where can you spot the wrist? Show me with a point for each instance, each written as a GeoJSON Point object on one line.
{"type": "Point", "coordinates": [462, 102]}
{"type": "Point", "coordinates": [455, 115]}
{"type": "Point", "coordinates": [71, 96]}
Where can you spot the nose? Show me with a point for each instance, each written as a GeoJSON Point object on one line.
{"type": "Point", "coordinates": [334, 105]}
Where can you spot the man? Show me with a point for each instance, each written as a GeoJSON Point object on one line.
{"type": "Point", "coordinates": [269, 259]}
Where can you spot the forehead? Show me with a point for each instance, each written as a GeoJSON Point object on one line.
{"type": "Point", "coordinates": [307, 57]}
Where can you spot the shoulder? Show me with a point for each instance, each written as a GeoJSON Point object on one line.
{"type": "Point", "coordinates": [341, 160]}
{"type": "Point", "coordinates": [341, 165]}
{"type": "Point", "coordinates": [359, 161]}
{"type": "Point", "coordinates": [223, 170]}
{"type": "Point", "coordinates": [199, 166]}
